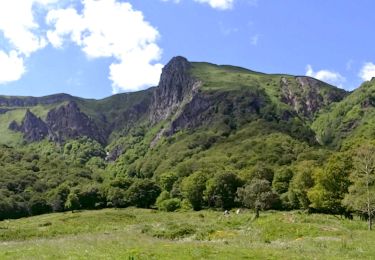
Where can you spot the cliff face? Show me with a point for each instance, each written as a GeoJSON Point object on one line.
{"type": "Point", "coordinates": [306, 96]}
{"type": "Point", "coordinates": [68, 122]}
{"type": "Point", "coordinates": [176, 85]}
{"type": "Point", "coordinates": [32, 127]}
{"type": "Point", "coordinates": [62, 123]}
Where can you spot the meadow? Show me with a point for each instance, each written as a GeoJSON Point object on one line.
{"type": "Point", "coordinates": [149, 234]}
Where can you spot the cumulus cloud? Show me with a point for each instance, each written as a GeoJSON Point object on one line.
{"type": "Point", "coordinates": [105, 29]}
{"type": "Point", "coordinates": [19, 27]}
{"type": "Point", "coordinates": [11, 67]}
{"type": "Point", "coordinates": [328, 76]}
{"type": "Point", "coordinates": [21, 32]}
{"type": "Point", "coordinates": [368, 71]}
{"type": "Point", "coordinates": [218, 4]}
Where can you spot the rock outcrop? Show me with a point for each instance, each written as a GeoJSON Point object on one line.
{"type": "Point", "coordinates": [32, 127]}
{"type": "Point", "coordinates": [305, 95]}
{"type": "Point", "coordinates": [62, 123]}
{"type": "Point", "coordinates": [68, 122]}
{"type": "Point", "coordinates": [176, 85]}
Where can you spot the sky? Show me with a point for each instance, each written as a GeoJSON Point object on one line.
{"type": "Point", "coordinates": [96, 48]}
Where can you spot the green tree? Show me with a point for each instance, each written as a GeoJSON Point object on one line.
{"type": "Point", "coordinates": [142, 193]}
{"type": "Point", "coordinates": [301, 183]}
{"type": "Point", "coordinates": [166, 180]}
{"type": "Point", "coordinates": [193, 187]}
{"type": "Point", "coordinates": [331, 185]}
{"type": "Point", "coordinates": [261, 171]}
{"type": "Point", "coordinates": [116, 197]}
{"type": "Point", "coordinates": [281, 180]}
{"type": "Point", "coordinates": [38, 205]}
{"type": "Point", "coordinates": [257, 195]}
{"type": "Point", "coordinates": [221, 190]}
{"type": "Point", "coordinates": [72, 202]}
{"type": "Point", "coordinates": [361, 196]}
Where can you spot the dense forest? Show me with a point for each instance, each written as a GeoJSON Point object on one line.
{"type": "Point", "coordinates": [207, 137]}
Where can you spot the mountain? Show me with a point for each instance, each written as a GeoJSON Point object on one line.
{"type": "Point", "coordinates": [188, 95]}
{"type": "Point", "coordinates": [201, 123]}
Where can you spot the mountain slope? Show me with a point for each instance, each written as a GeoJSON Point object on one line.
{"type": "Point", "coordinates": [352, 118]}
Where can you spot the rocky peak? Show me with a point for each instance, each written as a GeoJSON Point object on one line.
{"type": "Point", "coordinates": [68, 122]}
{"type": "Point", "coordinates": [176, 84]}
{"type": "Point", "coordinates": [33, 128]}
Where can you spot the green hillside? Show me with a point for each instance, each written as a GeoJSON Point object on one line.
{"type": "Point", "coordinates": [351, 119]}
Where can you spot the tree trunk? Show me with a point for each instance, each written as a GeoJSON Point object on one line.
{"type": "Point", "coordinates": [257, 212]}
{"type": "Point", "coordinates": [369, 222]}
{"type": "Point", "coordinates": [369, 211]}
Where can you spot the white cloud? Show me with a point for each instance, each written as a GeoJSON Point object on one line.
{"type": "Point", "coordinates": [11, 67]}
{"type": "Point", "coordinates": [368, 71]}
{"type": "Point", "coordinates": [328, 76]}
{"type": "Point", "coordinates": [106, 28]}
{"type": "Point", "coordinates": [18, 24]}
{"type": "Point", "coordinates": [218, 4]}
{"type": "Point", "coordinates": [21, 34]}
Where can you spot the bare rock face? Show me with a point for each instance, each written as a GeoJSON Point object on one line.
{"type": "Point", "coordinates": [304, 95]}
{"type": "Point", "coordinates": [176, 84]}
{"type": "Point", "coordinates": [68, 122]}
{"type": "Point", "coordinates": [32, 127]}
{"type": "Point", "coordinates": [193, 114]}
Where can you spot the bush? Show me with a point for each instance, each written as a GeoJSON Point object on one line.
{"type": "Point", "coordinates": [170, 205]}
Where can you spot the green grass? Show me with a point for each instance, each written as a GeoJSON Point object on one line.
{"type": "Point", "coordinates": [148, 234]}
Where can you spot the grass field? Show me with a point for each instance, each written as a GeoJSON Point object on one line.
{"type": "Point", "coordinates": [147, 234]}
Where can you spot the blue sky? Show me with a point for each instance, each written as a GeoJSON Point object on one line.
{"type": "Point", "coordinates": [93, 48]}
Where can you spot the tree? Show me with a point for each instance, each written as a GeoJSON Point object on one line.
{"type": "Point", "coordinates": [193, 187]}
{"type": "Point", "coordinates": [116, 197]}
{"type": "Point", "coordinates": [281, 180]}
{"type": "Point", "coordinates": [300, 184]}
{"type": "Point", "coordinates": [261, 171]}
{"type": "Point", "coordinates": [331, 185]}
{"type": "Point", "coordinates": [221, 190]}
{"type": "Point", "coordinates": [257, 195]}
{"type": "Point", "coordinates": [166, 180]}
{"type": "Point", "coordinates": [72, 202]}
{"type": "Point", "coordinates": [142, 193]}
{"type": "Point", "coordinates": [38, 205]}
{"type": "Point", "coordinates": [361, 196]}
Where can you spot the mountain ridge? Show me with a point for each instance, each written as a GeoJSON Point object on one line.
{"type": "Point", "coordinates": [184, 99]}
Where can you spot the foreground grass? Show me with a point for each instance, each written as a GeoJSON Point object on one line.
{"type": "Point", "coordinates": [147, 234]}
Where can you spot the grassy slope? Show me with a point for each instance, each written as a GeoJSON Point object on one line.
{"type": "Point", "coordinates": [147, 234]}
{"type": "Point", "coordinates": [231, 78]}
